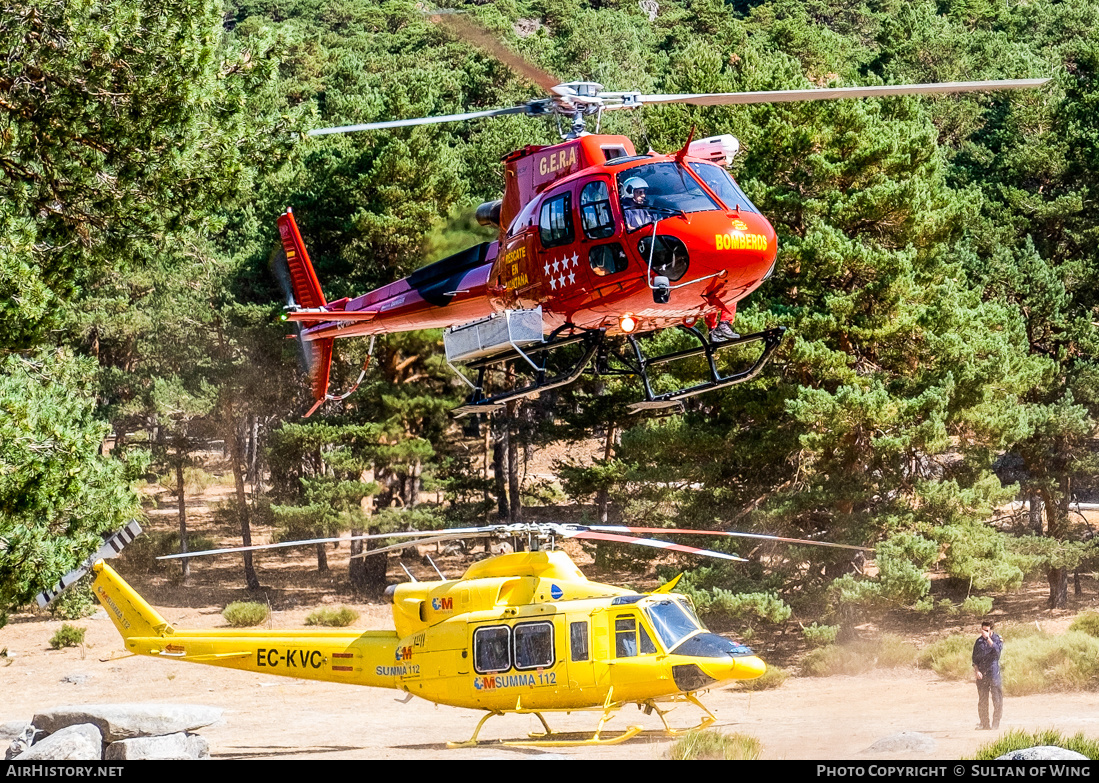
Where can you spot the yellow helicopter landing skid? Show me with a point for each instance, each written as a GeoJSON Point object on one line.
{"type": "Point", "coordinates": [609, 709]}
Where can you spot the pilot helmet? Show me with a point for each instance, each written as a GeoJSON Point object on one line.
{"type": "Point", "coordinates": [632, 184]}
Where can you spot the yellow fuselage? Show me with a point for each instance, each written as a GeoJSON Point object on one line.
{"type": "Point", "coordinates": [522, 631]}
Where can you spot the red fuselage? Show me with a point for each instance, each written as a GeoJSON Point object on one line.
{"type": "Point", "coordinates": [574, 244]}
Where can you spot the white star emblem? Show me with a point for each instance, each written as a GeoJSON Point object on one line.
{"type": "Point", "coordinates": [547, 268]}
{"type": "Point", "coordinates": [572, 277]}
{"type": "Point", "coordinates": [553, 283]}
{"type": "Point", "coordinates": [575, 259]}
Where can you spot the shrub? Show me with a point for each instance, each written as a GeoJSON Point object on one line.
{"type": "Point", "coordinates": [68, 636]}
{"type": "Point", "coordinates": [76, 602]}
{"type": "Point", "coordinates": [335, 618]}
{"type": "Point", "coordinates": [977, 605]}
{"type": "Point", "coordinates": [1033, 661]}
{"type": "Point", "coordinates": [242, 614]}
{"type": "Point", "coordinates": [1017, 739]}
{"type": "Point", "coordinates": [708, 745]}
{"type": "Point", "coordinates": [820, 635]}
{"type": "Point", "coordinates": [772, 678]}
{"type": "Point", "coordinates": [1087, 623]}
{"type": "Point", "coordinates": [142, 553]}
{"type": "Point", "coordinates": [860, 656]}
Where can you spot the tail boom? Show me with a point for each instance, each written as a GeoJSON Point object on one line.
{"type": "Point", "coordinates": [354, 657]}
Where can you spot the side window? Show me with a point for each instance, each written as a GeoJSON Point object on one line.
{"type": "Point", "coordinates": [631, 638]}
{"type": "Point", "coordinates": [555, 221]}
{"type": "Point", "coordinates": [607, 259]}
{"type": "Point", "coordinates": [625, 636]}
{"type": "Point", "coordinates": [491, 649]}
{"type": "Point", "coordinates": [534, 646]}
{"type": "Point", "coordinates": [595, 210]}
{"type": "Point", "coordinates": [578, 641]}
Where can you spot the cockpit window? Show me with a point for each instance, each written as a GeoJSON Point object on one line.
{"type": "Point", "coordinates": [672, 622]}
{"type": "Point", "coordinates": [656, 190]}
{"type": "Point", "coordinates": [718, 180]}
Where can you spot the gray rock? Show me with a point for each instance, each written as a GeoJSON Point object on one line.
{"type": "Point", "coordinates": [1043, 753]}
{"type": "Point", "coordinates": [126, 721]}
{"type": "Point", "coordinates": [173, 746]}
{"type": "Point", "coordinates": [76, 679]}
{"type": "Point", "coordinates": [73, 743]}
{"type": "Point", "coordinates": [21, 741]}
{"type": "Point", "coordinates": [12, 729]}
{"type": "Point", "coordinates": [903, 741]}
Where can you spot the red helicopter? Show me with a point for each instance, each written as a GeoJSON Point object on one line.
{"type": "Point", "coordinates": [597, 243]}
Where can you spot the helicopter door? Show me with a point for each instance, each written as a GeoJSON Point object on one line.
{"type": "Point", "coordinates": [581, 657]}
{"type": "Point", "coordinates": [606, 259]}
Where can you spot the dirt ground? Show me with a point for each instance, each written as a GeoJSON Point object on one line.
{"type": "Point", "coordinates": [268, 717]}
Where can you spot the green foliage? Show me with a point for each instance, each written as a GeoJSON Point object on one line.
{"type": "Point", "coordinates": [1087, 622]}
{"type": "Point", "coordinates": [1032, 662]}
{"type": "Point", "coordinates": [714, 746]}
{"type": "Point", "coordinates": [244, 614]}
{"type": "Point", "coordinates": [335, 618]}
{"type": "Point", "coordinates": [142, 553]}
{"type": "Point", "coordinates": [58, 494]}
{"type": "Point", "coordinates": [820, 635]}
{"type": "Point", "coordinates": [977, 605]}
{"type": "Point", "coordinates": [769, 680]}
{"type": "Point", "coordinates": [1020, 739]}
{"type": "Point", "coordinates": [76, 602]}
{"type": "Point", "coordinates": [67, 636]}
{"type": "Point", "coordinates": [857, 657]}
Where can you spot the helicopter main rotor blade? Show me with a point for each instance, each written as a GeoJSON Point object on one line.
{"type": "Point", "coordinates": [524, 109]}
{"type": "Point", "coordinates": [437, 539]}
{"type": "Point", "coordinates": [649, 542]}
{"type": "Point", "coordinates": [836, 93]}
{"type": "Point", "coordinates": [478, 36]}
{"type": "Point", "coordinates": [725, 533]}
{"type": "Point", "coordinates": [460, 532]}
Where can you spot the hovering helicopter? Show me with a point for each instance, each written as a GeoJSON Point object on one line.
{"type": "Point", "coordinates": [598, 246]}
{"type": "Point", "coordinates": [522, 633]}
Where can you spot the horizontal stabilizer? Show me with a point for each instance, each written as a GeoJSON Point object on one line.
{"type": "Point", "coordinates": [111, 547]}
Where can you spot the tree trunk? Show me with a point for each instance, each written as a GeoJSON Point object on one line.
{"type": "Point", "coordinates": [1034, 503]}
{"type": "Point", "coordinates": [500, 470]}
{"type": "Point", "coordinates": [602, 497]}
{"type": "Point", "coordinates": [374, 567]}
{"type": "Point", "coordinates": [515, 502]}
{"type": "Point", "coordinates": [357, 567]}
{"type": "Point", "coordinates": [186, 561]}
{"type": "Point", "coordinates": [1058, 587]}
{"type": "Point", "coordinates": [236, 449]}
{"type": "Point", "coordinates": [322, 558]}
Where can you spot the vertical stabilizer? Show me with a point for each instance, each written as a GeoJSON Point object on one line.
{"type": "Point", "coordinates": [127, 610]}
{"type": "Point", "coordinates": [307, 289]}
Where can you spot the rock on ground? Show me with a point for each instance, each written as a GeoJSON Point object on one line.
{"type": "Point", "coordinates": [126, 721]}
{"type": "Point", "coordinates": [903, 741]}
{"type": "Point", "coordinates": [1043, 753]}
{"type": "Point", "coordinates": [83, 742]}
{"type": "Point", "coordinates": [170, 747]}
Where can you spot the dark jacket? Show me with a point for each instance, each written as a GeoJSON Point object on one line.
{"type": "Point", "coordinates": [986, 657]}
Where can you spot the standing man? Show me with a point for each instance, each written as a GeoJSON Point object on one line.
{"type": "Point", "coordinates": [986, 668]}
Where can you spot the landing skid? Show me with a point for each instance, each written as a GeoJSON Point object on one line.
{"type": "Point", "coordinates": [609, 708]}
{"type": "Point", "coordinates": [597, 359]}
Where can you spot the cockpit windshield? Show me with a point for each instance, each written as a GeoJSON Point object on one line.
{"type": "Point", "coordinates": [672, 621]}
{"type": "Point", "coordinates": [718, 180]}
{"type": "Point", "coordinates": [657, 189]}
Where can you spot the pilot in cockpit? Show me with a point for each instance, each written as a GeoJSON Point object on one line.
{"type": "Point", "coordinates": [635, 203]}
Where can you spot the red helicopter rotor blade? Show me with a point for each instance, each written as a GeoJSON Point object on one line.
{"type": "Point", "coordinates": [725, 533]}
{"type": "Point", "coordinates": [827, 94]}
{"type": "Point", "coordinates": [420, 121]}
{"type": "Point", "coordinates": [482, 38]}
{"type": "Point", "coordinates": [650, 542]}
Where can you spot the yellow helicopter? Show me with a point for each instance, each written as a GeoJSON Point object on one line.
{"type": "Point", "coordinates": [523, 632]}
